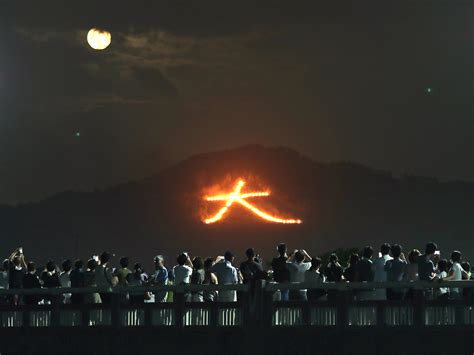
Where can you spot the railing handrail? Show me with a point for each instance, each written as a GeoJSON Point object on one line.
{"type": "Point", "coordinates": [347, 286]}
{"type": "Point", "coordinates": [269, 287]}
{"type": "Point", "coordinates": [124, 289]}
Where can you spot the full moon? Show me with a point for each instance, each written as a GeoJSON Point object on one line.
{"type": "Point", "coordinates": [98, 39]}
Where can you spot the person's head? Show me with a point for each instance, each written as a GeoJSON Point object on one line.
{"type": "Point", "coordinates": [315, 263]}
{"type": "Point", "coordinates": [333, 258]}
{"type": "Point", "coordinates": [138, 268]}
{"type": "Point", "coordinates": [198, 263]}
{"type": "Point", "coordinates": [385, 249]}
{"type": "Point", "coordinates": [91, 264]}
{"type": "Point", "coordinates": [456, 256]}
{"type": "Point", "coordinates": [281, 249]}
{"type": "Point", "coordinates": [159, 261]}
{"type": "Point", "coordinates": [66, 265]}
{"type": "Point", "coordinates": [50, 266]}
{"type": "Point", "coordinates": [104, 258]}
{"type": "Point", "coordinates": [396, 250]}
{"type": "Point", "coordinates": [250, 253]}
{"type": "Point", "coordinates": [299, 257]}
{"type": "Point", "coordinates": [124, 261]}
{"type": "Point", "coordinates": [16, 261]}
{"type": "Point", "coordinates": [430, 248]}
{"type": "Point", "coordinates": [354, 259]}
{"type": "Point", "coordinates": [208, 263]}
{"type": "Point", "coordinates": [367, 252]}
{"type": "Point", "coordinates": [466, 266]}
{"type": "Point", "coordinates": [6, 264]}
{"type": "Point", "coordinates": [443, 265]}
{"type": "Point", "coordinates": [229, 256]}
{"type": "Point", "coordinates": [78, 264]}
{"type": "Point", "coordinates": [31, 267]}
{"type": "Point", "coordinates": [182, 259]}
{"type": "Point", "coordinates": [413, 256]}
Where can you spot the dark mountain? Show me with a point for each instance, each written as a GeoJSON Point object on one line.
{"type": "Point", "coordinates": [341, 204]}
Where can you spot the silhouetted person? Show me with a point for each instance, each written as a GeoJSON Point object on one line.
{"type": "Point", "coordinates": [350, 271]}
{"type": "Point", "coordinates": [123, 271]}
{"type": "Point", "coordinates": [455, 274]}
{"type": "Point", "coordinates": [395, 269]}
{"type": "Point", "coordinates": [281, 273]}
{"type": "Point", "coordinates": [364, 266]}
{"type": "Point", "coordinates": [442, 293]}
{"type": "Point", "coordinates": [104, 277]}
{"type": "Point", "coordinates": [411, 270]}
{"type": "Point", "coordinates": [365, 272]}
{"type": "Point", "coordinates": [90, 282]}
{"type": "Point", "coordinates": [334, 273]}
{"type": "Point", "coordinates": [182, 272]}
{"type": "Point", "coordinates": [160, 277]}
{"type": "Point", "coordinates": [226, 275]}
{"type": "Point", "coordinates": [16, 277]}
{"type": "Point", "coordinates": [17, 270]}
{"type": "Point", "coordinates": [426, 267]}
{"type": "Point", "coordinates": [209, 279]}
{"type": "Point", "coordinates": [137, 279]}
{"type": "Point", "coordinates": [64, 278]}
{"type": "Point", "coordinates": [197, 278]}
{"type": "Point", "coordinates": [50, 278]}
{"type": "Point", "coordinates": [380, 275]}
{"type": "Point", "coordinates": [4, 279]}
{"type": "Point", "coordinates": [251, 269]}
{"type": "Point", "coordinates": [77, 281]}
{"type": "Point", "coordinates": [298, 268]}
{"type": "Point", "coordinates": [31, 281]}
{"type": "Point", "coordinates": [5, 275]}
{"type": "Point", "coordinates": [314, 276]}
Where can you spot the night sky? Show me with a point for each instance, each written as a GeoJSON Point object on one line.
{"type": "Point", "coordinates": [389, 84]}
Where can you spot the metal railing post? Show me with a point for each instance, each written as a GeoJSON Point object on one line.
{"type": "Point", "coordinates": [179, 311]}
{"type": "Point", "coordinates": [342, 298]}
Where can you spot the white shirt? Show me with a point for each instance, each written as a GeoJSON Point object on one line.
{"type": "Point", "coordinates": [182, 274]}
{"type": "Point", "coordinates": [226, 275]}
{"type": "Point", "coordinates": [225, 272]}
{"type": "Point", "coordinates": [380, 275]}
{"type": "Point", "coordinates": [457, 271]}
{"type": "Point", "coordinates": [297, 271]}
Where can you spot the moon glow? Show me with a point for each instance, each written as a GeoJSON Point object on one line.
{"type": "Point", "coordinates": [98, 39]}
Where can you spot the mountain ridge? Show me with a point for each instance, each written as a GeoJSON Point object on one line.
{"type": "Point", "coordinates": [341, 204]}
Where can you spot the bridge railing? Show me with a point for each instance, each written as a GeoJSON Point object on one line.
{"type": "Point", "coordinates": [349, 305]}
{"type": "Point", "coordinates": [118, 312]}
{"type": "Point", "coordinates": [359, 304]}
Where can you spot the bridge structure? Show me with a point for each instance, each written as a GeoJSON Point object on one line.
{"type": "Point", "coordinates": [257, 323]}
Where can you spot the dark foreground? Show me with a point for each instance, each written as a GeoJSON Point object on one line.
{"type": "Point", "coordinates": [256, 324]}
{"type": "Point", "coordinates": [301, 340]}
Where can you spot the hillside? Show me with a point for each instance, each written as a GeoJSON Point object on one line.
{"type": "Point", "coordinates": [341, 204]}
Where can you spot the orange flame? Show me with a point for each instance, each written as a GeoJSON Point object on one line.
{"type": "Point", "coordinates": [238, 197]}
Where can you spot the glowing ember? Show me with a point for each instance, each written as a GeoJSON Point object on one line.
{"type": "Point", "coordinates": [238, 197]}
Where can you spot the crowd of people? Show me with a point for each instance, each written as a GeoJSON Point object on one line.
{"type": "Point", "coordinates": [390, 265]}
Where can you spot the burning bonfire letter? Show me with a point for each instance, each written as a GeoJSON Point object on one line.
{"type": "Point", "coordinates": [238, 197]}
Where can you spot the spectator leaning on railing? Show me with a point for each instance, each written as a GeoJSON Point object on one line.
{"type": "Point", "coordinates": [281, 273]}
{"type": "Point", "coordinates": [226, 275]}
{"type": "Point", "coordinates": [160, 277]}
{"type": "Point", "coordinates": [297, 268]}
{"type": "Point", "coordinates": [395, 269]}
